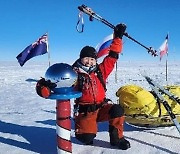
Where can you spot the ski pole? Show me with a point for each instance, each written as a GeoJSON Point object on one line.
{"type": "Point", "coordinates": [163, 90]}
{"type": "Point", "coordinates": [92, 15]}
{"type": "Point", "coordinates": [165, 103]}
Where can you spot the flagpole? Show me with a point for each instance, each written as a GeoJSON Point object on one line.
{"type": "Point", "coordinates": [163, 51]}
{"type": "Point", "coordinates": [48, 51]}
{"type": "Point", "coordinates": [116, 74]}
{"type": "Point", "coordinates": [49, 58]}
{"type": "Point", "coordinates": [167, 60]}
{"type": "Point", "coordinates": [166, 70]}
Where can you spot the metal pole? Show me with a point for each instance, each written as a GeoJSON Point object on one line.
{"type": "Point", "coordinates": [116, 74]}
{"type": "Point", "coordinates": [166, 70]}
{"type": "Point", "coordinates": [92, 15]}
{"type": "Point", "coordinates": [48, 51]}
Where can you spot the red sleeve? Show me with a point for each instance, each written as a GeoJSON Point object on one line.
{"type": "Point", "coordinates": [107, 66]}
{"type": "Point", "coordinates": [116, 45]}
{"type": "Point", "coordinates": [109, 61]}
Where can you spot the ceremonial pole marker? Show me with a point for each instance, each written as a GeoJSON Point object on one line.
{"type": "Point", "coordinates": [64, 77]}
{"type": "Point", "coordinates": [63, 120]}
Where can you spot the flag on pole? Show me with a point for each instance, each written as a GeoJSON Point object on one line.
{"type": "Point", "coordinates": [164, 48]}
{"type": "Point", "coordinates": [103, 47]}
{"type": "Point", "coordinates": [37, 48]}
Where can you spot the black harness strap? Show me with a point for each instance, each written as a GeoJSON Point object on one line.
{"type": "Point", "coordinates": [100, 77]}
{"type": "Point", "coordinates": [81, 79]}
{"type": "Point", "coordinates": [92, 107]}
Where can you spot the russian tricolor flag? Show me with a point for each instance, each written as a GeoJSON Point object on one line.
{"type": "Point", "coordinates": [103, 47]}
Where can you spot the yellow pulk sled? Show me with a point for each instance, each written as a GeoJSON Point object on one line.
{"type": "Point", "coordinates": [144, 108]}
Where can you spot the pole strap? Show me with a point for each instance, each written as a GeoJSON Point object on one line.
{"type": "Point", "coordinates": [80, 23]}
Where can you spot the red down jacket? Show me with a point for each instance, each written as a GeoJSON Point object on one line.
{"type": "Point", "coordinates": [93, 91]}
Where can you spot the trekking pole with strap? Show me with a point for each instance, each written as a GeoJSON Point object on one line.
{"type": "Point", "coordinates": [93, 15]}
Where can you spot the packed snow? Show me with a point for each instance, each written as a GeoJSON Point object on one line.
{"type": "Point", "coordinates": [27, 121]}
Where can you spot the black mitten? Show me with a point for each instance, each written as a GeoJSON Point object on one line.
{"type": "Point", "coordinates": [43, 87]}
{"type": "Point", "coordinates": [119, 30]}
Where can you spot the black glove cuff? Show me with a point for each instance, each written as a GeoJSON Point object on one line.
{"type": "Point", "coordinates": [113, 54]}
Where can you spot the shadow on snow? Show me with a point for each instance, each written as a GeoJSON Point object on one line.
{"type": "Point", "coordinates": [41, 140]}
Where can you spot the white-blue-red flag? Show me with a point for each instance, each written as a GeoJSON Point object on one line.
{"type": "Point", "coordinates": [39, 47]}
{"type": "Point", "coordinates": [164, 48]}
{"type": "Point", "coordinates": [103, 47]}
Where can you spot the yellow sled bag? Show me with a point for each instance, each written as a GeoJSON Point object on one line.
{"type": "Point", "coordinates": [141, 107]}
{"type": "Point", "coordinates": [137, 101]}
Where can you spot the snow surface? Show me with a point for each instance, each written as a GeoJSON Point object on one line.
{"type": "Point", "coordinates": [27, 122]}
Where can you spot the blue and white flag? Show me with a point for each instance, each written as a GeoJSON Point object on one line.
{"type": "Point", "coordinates": [37, 48]}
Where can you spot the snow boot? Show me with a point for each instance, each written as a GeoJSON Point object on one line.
{"type": "Point", "coordinates": [86, 138]}
{"type": "Point", "coordinates": [121, 143]}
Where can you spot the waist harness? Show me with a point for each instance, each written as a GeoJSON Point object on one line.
{"type": "Point", "coordinates": [91, 107]}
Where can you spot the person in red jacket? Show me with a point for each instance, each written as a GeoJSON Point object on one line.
{"type": "Point", "coordinates": [93, 106]}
